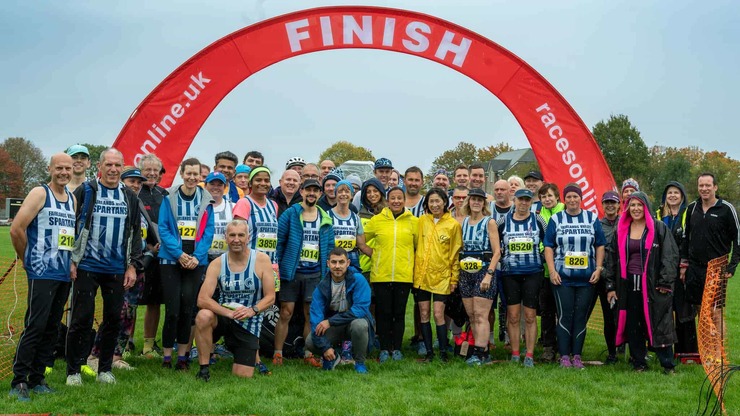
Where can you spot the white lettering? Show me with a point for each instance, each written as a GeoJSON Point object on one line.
{"type": "Point", "coordinates": [151, 134]}
{"type": "Point", "coordinates": [569, 157]}
{"type": "Point", "coordinates": [460, 51]}
{"type": "Point", "coordinates": [554, 129]}
{"type": "Point", "coordinates": [165, 119]}
{"type": "Point", "coordinates": [294, 36]}
{"type": "Point", "coordinates": [418, 42]}
{"type": "Point", "coordinates": [327, 37]}
{"type": "Point", "coordinates": [351, 28]}
{"type": "Point", "coordinates": [562, 144]}
{"type": "Point", "coordinates": [200, 81]}
{"type": "Point", "coordinates": [389, 31]}
{"type": "Point", "coordinates": [177, 110]}
{"type": "Point", "coordinates": [548, 119]}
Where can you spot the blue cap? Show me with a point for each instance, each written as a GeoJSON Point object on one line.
{"type": "Point", "coordinates": [77, 148]}
{"type": "Point", "coordinates": [383, 163]}
{"type": "Point", "coordinates": [610, 196]}
{"type": "Point", "coordinates": [216, 176]}
{"type": "Point", "coordinates": [132, 172]}
{"type": "Point", "coordinates": [523, 193]}
{"type": "Point", "coordinates": [242, 169]}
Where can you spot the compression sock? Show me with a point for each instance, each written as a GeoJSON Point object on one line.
{"type": "Point", "coordinates": [442, 337]}
{"type": "Point", "coordinates": [426, 334]}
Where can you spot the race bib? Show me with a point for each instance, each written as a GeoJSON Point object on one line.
{"type": "Point", "coordinates": [346, 242]}
{"type": "Point", "coordinates": [470, 264]}
{"type": "Point", "coordinates": [310, 253]}
{"type": "Point", "coordinates": [267, 242]}
{"type": "Point", "coordinates": [144, 232]}
{"type": "Point", "coordinates": [66, 238]}
{"type": "Point", "coordinates": [522, 245]}
{"type": "Point", "coordinates": [576, 260]}
{"type": "Point", "coordinates": [219, 243]}
{"type": "Point", "coordinates": [187, 230]}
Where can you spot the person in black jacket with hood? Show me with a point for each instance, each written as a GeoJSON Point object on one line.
{"type": "Point", "coordinates": [672, 213]}
{"type": "Point", "coordinates": [642, 270]}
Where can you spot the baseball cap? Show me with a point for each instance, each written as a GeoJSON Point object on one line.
{"type": "Point", "coordinates": [610, 196]}
{"type": "Point", "coordinates": [522, 193]}
{"type": "Point", "coordinates": [477, 192]}
{"type": "Point", "coordinates": [534, 174]}
{"type": "Point", "coordinates": [310, 182]}
{"type": "Point", "coordinates": [78, 148]}
{"type": "Point", "coordinates": [383, 163]}
{"type": "Point", "coordinates": [132, 172]}
{"type": "Point", "coordinates": [216, 176]}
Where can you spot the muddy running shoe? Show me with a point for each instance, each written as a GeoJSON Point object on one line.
{"type": "Point", "coordinates": [106, 377]}
{"type": "Point", "coordinates": [20, 392]}
{"type": "Point", "coordinates": [203, 374]}
{"type": "Point", "coordinates": [473, 361]}
{"type": "Point", "coordinates": [43, 388]}
{"type": "Point", "coordinates": [277, 359]}
{"type": "Point", "coordinates": [548, 355]}
{"type": "Point", "coordinates": [74, 380]}
{"type": "Point", "coordinates": [262, 368]}
{"type": "Point", "coordinates": [528, 362]}
{"type": "Point", "coordinates": [182, 365]}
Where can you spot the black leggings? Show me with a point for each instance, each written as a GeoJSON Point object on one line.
{"type": "Point", "coordinates": [179, 293]}
{"type": "Point", "coordinates": [390, 312]}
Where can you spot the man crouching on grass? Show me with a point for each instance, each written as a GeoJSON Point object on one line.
{"type": "Point", "coordinates": [246, 288]}
{"type": "Point", "coordinates": [340, 311]}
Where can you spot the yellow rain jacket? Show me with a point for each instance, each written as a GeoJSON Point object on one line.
{"type": "Point", "coordinates": [437, 264]}
{"type": "Point", "coordinates": [393, 246]}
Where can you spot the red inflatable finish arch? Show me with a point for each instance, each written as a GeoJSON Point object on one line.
{"type": "Point", "coordinates": [169, 118]}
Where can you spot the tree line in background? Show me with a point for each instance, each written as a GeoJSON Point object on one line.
{"type": "Point", "coordinates": [23, 165]}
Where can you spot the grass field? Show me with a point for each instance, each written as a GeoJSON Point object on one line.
{"type": "Point", "coordinates": [405, 387]}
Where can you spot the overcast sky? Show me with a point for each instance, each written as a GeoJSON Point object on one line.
{"type": "Point", "coordinates": [73, 71]}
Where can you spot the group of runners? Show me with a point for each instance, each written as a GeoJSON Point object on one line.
{"type": "Point", "coordinates": [224, 246]}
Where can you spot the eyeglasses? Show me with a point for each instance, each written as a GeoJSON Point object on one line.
{"type": "Point", "coordinates": [459, 197]}
{"type": "Point", "coordinates": [310, 176]}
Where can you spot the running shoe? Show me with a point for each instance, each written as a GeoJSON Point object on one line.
{"type": "Point", "coordinates": [48, 371]}
{"type": "Point", "coordinates": [20, 392]}
{"type": "Point", "coordinates": [611, 359]}
{"type": "Point", "coordinates": [565, 362]}
{"type": "Point", "coordinates": [92, 362]}
{"type": "Point", "coordinates": [421, 349]}
{"type": "Point", "coordinates": [529, 362]}
{"type": "Point", "coordinates": [203, 374]}
{"type": "Point", "coordinates": [43, 388]}
{"type": "Point", "coordinates": [361, 368]}
{"type": "Point", "coordinates": [194, 353]}
{"type": "Point", "coordinates": [548, 354]}
{"type": "Point", "coordinates": [277, 359]}
{"type": "Point", "coordinates": [329, 364]}
{"type": "Point", "coordinates": [151, 354]}
{"type": "Point", "coordinates": [122, 365]}
{"type": "Point", "coordinates": [346, 353]}
{"type": "Point", "coordinates": [86, 370]}
{"type": "Point", "coordinates": [443, 356]}
{"type": "Point", "coordinates": [577, 363]}
{"type": "Point", "coordinates": [222, 352]}
{"type": "Point", "coordinates": [397, 356]}
{"type": "Point", "coordinates": [315, 362]}
{"type": "Point", "coordinates": [106, 377]}
{"type": "Point", "coordinates": [384, 356]}
{"type": "Point", "coordinates": [74, 380]}
{"type": "Point", "coordinates": [182, 365]}
{"type": "Point", "coordinates": [262, 368]}
{"type": "Point", "coordinates": [473, 361]}
{"type": "Point", "coordinates": [515, 359]}
{"type": "Point", "coordinates": [166, 364]}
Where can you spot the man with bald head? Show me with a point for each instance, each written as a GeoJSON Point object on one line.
{"type": "Point", "coordinates": [43, 234]}
{"type": "Point", "coordinates": [502, 203]}
{"type": "Point", "coordinates": [326, 166]}
{"type": "Point", "coordinates": [287, 193]}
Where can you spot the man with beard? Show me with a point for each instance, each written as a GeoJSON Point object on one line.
{"type": "Point", "coordinates": [305, 238]}
{"type": "Point", "coordinates": [151, 195]}
{"type": "Point", "coordinates": [286, 194]}
{"type": "Point", "coordinates": [80, 164]}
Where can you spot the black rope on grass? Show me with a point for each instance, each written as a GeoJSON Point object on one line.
{"type": "Point", "coordinates": [7, 272]}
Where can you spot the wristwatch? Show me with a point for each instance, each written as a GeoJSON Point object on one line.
{"type": "Point", "coordinates": [491, 272]}
{"type": "Point", "coordinates": [256, 309]}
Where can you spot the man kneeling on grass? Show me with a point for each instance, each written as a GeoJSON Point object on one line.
{"type": "Point", "coordinates": [341, 310]}
{"type": "Point", "coordinates": [246, 288]}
